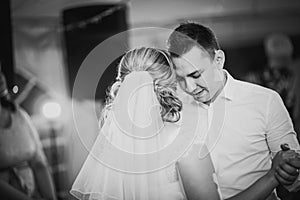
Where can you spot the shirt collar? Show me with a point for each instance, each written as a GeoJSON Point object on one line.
{"type": "Point", "coordinates": [229, 88]}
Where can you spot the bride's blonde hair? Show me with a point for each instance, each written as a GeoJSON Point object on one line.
{"type": "Point", "coordinates": [159, 65]}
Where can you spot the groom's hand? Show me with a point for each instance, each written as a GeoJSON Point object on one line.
{"type": "Point", "coordinates": [285, 167]}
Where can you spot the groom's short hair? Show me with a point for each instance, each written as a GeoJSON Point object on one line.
{"type": "Point", "coordinates": [190, 34]}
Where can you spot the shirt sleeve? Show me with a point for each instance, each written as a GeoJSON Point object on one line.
{"type": "Point", "coordinates": [279, 127]}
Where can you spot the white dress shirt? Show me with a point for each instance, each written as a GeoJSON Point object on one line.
{"type": "Point", "coordinates": [241, 128]}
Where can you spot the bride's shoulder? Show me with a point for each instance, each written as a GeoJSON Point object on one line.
{"type": "Point", "coordinates": [190, 110]}
{"type": "Point", "coordinates": [170, 129]}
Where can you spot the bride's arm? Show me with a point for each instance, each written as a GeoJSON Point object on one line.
{"type": "Point", "coordinates": [260, 190]}
{"type": "Point", "coordinates": [196, 172]}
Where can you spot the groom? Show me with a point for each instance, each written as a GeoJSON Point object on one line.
{"type": "Point", "coordinates": [255, 122]}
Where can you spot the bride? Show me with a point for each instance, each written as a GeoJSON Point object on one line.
{"type": "Point", "coordinates": [147, 148]}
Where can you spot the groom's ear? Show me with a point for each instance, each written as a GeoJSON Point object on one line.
{"type": "Point", "coordinates": [219, 58]}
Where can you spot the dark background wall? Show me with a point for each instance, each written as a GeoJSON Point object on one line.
{"type": "Point", "coordinates": [80, 42]}
{"type": "Point", "coordinates": [6, 51]}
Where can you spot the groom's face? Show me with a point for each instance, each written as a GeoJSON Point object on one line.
{"type": "Point", "coordinates": [196, 74]}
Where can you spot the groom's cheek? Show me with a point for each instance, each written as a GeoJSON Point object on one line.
{"type": "Point", "coordinates": [217, 75]}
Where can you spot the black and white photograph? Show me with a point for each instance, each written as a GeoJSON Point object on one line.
{"type": "Point", "coordinates": [150, 100]}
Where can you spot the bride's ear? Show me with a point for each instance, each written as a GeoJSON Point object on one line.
{"type": "Point", "coordinates": [219, 58]}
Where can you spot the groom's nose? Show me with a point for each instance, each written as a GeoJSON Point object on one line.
{"type": "Point", "coordinates": [190, 84]}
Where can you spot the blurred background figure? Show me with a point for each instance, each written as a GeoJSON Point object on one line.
{"type": "Point", "coordinates": [24, 172]}
{"type": "Point", "coordinates": [281, 73]}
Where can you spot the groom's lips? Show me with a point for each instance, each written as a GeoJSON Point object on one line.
{"type": "Point", "coordinates": [198, 92]}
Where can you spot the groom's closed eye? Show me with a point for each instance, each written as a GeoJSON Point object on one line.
{"type": "Point", "coordinates": [195, 74]}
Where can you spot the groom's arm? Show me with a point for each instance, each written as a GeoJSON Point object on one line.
{"type": "Point", "coordinates": [264, 186]}
{"type": "Point", "coordinates": [279, 126]}
{"type": "Point", "coordinates": [280, 130]}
